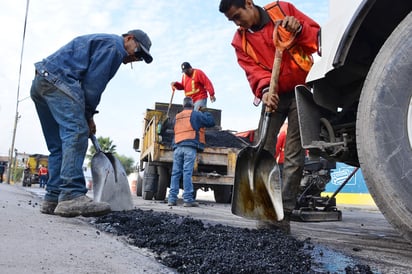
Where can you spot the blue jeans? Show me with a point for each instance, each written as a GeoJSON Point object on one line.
{"type": "Point", "coordinates": [66, 132]}
{"type": "Point", "coordinates": [200, 103]}
{"type": "Point", "coordinates": [183, 162]}
{"type": "Point", "coordinates": [43, 180]}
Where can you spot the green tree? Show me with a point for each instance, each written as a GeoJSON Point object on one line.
{"type": "Point", "coordinates": [106, 145]}
{"type": "Point", "coordinates": [127, 163]}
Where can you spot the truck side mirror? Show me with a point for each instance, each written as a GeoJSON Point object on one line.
{"type": "Point", "coordinates": [136, 143]}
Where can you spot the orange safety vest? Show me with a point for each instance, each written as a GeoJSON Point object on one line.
{"type": "Point", "coordinates": [303, 60]}
{"type": "Point", "coordinates": [184, 130]}
{"type": "Point", "coordinates": [189, 93]}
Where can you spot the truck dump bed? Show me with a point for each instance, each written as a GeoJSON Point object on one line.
{"type": "Point", "coordinates": [214, 167]}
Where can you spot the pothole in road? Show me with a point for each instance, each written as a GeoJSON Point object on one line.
{"type": "Point", "coordinates": [191, 246]}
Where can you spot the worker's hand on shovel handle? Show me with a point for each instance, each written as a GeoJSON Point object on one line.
{"type": "Point", "coordinates": [271, 101]}
{"type": "Point", "coordinates": [92, 126]}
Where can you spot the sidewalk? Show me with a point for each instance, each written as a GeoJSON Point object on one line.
{"type": "Point", "coordinates": [37, 243]}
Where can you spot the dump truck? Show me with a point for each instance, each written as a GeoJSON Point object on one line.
{"type": "Point", "coordinates": [214, 167]}
{"type": "Point", "coordinates": [356, 105]}
{"type": "Point", "coordinates": [31, 172]}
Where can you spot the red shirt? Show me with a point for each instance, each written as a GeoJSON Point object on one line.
{"type": "Point", "coordinates": [196, 86]}
{"type": "Point", "coordinates": [43, 171]}
{"type": "Point", "coordinates": [262, 43]}
{"type": "Point", "coordinates": [280, 147]}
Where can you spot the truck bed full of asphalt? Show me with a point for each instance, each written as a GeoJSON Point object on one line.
{"type": "Point", "coordinates": [214, 138]}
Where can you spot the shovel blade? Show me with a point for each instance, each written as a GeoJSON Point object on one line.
{"type": "Point", "coordinates": [110, 183]}
{"type": "Point", "coordinates": [262, 198]}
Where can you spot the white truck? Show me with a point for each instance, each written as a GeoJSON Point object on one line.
{"type": "Point", "coordinates": [356, 107]}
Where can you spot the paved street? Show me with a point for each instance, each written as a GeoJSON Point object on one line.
{"type": "Point", "coordinates": [31, 238]}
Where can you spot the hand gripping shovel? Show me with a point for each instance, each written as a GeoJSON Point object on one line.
{"type": "Point", "coordinates": [110, 182]}
{"type": "Point", "coordinates": [257, 193]}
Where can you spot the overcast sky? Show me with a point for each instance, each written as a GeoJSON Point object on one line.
{"type": "Point", "coordinates": [180, 30]}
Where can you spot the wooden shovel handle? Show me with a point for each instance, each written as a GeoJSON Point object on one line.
{"type": "Point", "coordinates": [280, 47]}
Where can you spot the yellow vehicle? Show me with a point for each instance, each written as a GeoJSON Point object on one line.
{"type": "Point", "coordinates": [31, 172]}
{"type": "Point", "coordinates": [214, 167]}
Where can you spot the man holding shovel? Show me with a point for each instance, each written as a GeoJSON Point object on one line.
{"type": "Point", "coordinates": [196, 85]}
{"type": "Point", "coordinates": [255, 50]}
{"type": "Point", "coordinates": [66, 91]}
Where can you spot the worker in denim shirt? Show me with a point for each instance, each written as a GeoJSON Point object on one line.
{"type": "Point", "coordinates": [66, 91]}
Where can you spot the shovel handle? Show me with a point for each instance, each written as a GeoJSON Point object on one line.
{"type": "Point", "coordinates": [280, 47]}
{"type": "Point", "coordinates": [170, 103]}
{"type": "Point", "coordinates": [95, 143]}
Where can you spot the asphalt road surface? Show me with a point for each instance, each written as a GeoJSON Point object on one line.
{"type": "Point", "coordinates": [363, 234]}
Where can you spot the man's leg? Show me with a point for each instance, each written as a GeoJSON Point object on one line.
{"type": "Point", "coordinates": [200, 103]}
{"type": "Point", "coordinates": [189, 162]}
{"type": "Point", "coordinates": [177, 171]}
{"type": "Point", "coordinates": [294, 161]}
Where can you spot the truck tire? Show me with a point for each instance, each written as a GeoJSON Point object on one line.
{"type": "Point", "coordinates": [150, 182]}
{"type": "Point", "coordinates": [223, 194]}
{"type": "Point", "coordinates": [384, 129]}
{"type": "Point", "coordinates": [139, 184]}
{"type": "Point", "coordinates": [164, 182]}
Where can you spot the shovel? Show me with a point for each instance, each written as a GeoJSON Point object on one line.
{"type": "Point", "coordinates": [110, 182]}
{"type": "Point", "coordinates": [164, 123]}
{"type": "Point", "coordinates": [257, 191]}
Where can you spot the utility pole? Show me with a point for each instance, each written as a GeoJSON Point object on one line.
{"type": "Point", "coordinates": [16, 118]}
{"type": "Point", "coordinates": [9, 166]}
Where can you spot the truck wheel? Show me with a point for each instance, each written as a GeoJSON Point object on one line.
{"type": "Point", "coordinates": [139, 184]}
{"type": "Point", "coordinates": [384, 129]}
{"type": "Point", "coordinates": [164, 182]}
{"type": "Point", "coordinates": [150, 182]}
{"type": "Point", "coordinates": [223, 194]}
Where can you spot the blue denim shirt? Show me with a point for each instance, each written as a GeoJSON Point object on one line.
{"type": "Point", "coordinates": [197, 120]}
{"type": "Point", "coordinates": [83, 67]}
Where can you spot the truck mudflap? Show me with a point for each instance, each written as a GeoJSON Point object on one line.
{"type": "Point", "coordinates": [308, 124]}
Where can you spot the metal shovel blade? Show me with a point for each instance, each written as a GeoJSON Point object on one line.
{"type": "Point", "coordinates": [257, 190]}
{"type": "Point", "coordinates": [264, 200]}
{"type": "Point", "coordinates": [110, 183]}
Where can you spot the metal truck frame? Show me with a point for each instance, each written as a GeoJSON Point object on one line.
{"type": "Point", "coordinates": [214, 167]}
{"type": "Point", "coordinates": [356, 107]}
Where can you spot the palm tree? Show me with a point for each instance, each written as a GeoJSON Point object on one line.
{"type": "Point", "coordinates": [106, 145]}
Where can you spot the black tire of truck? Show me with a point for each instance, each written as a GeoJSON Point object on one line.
{"type": "Point", "coordinates": [223, 194]}
{"type": "Point", "coordinates": [384, 129]}
{"type": "Point", "coordinates": [164, 181]}
{"type": "Point", "coordinates": [139, 184]}
{"type": "Point", "coordinates": [150, 177]}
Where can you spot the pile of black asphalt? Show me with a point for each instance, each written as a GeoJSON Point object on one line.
{"type": "Point", "coordinates": [214, 138]}
{"type": "Point", "coordinates": [192, 246]}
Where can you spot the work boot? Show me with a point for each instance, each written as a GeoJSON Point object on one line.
{"type": "Point", "coordinates": [83, 206]}
{"type": "Point", "coordinates": [191, 204]}
{"type": "Point", "coordinates": [47, 207]}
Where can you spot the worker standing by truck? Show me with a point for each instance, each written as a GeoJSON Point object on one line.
{"type": "Point", "coordinates": [255, 50]}
{"type": "Point", "coordinates": [43, 176]}
{"type": "Point", "coordinates": [188, 140]}
{"type": "Point", "coordinates": [196, 85]}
